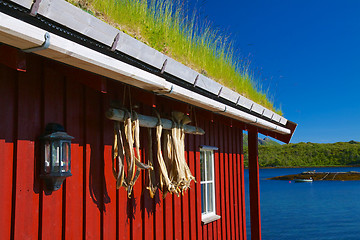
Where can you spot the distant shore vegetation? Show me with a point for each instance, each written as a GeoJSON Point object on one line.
{"type": "Point", "coordinates": [308, 154]}
{"type": "Point", "coordinates": [167, 26]}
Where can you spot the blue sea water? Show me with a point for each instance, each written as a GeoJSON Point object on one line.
{"type": "Point", "coordinates": [321, 210]}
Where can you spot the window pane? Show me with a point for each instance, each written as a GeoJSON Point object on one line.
{"type": "Point", "coordinates": [202, 165]}
{"type": "Point", "coordinates": [203, 200]}
{"type": "Point", "coordinates": [209, 164]}
{"type": "Point", "coordinates": [210, 196]}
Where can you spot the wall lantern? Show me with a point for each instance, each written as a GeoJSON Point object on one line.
{"type": "Point", "coordinates": [56, 154]}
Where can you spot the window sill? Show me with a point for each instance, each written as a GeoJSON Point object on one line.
{"type": "Point", "coordinates": [210, 219]}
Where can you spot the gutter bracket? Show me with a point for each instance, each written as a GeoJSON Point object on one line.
{"type": "Point", "coordinates": [45, 45]}
{"type": "Point", "coordinates": [115, 42]}
{"type": "Point", "coordinates": [35, 7]}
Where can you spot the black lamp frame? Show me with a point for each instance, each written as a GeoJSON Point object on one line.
{"type": "Point", "coordinates": [55, 137]}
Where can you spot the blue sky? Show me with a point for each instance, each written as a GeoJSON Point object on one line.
{"type": "Point", "coordinates": [307, 53]}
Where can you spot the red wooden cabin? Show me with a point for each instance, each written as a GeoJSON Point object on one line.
{"type": "Point", "coordinates": [68, 84]}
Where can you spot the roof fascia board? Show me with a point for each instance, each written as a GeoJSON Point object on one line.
{"type": "Point", "coordinates": [24, 3]}
{"type": "Point", "coordinates": [181, 71]}
{"type": "Point", "coordinates": [281, 137]}
{"type": "Point", "coordinates": [229, 95]}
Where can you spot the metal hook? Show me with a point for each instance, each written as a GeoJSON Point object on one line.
{"type": "Point", "coordinates": [45, 45]}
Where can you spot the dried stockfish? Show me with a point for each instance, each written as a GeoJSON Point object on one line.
{"type": "Point", "coordinates": [168, 152]}
{"type": "Point", "coordinates": [118, 156]}
{"type": "Point", "coordinates": [166, 184]}
{"type": "Point", "coordinates": [182, 176]}
{"type": "Point", "coordinates": [125, 150]}
{"type": "Point", "coordinates": [136, 135]}
{"type": "Point", "coordinates": [174, 173]}
{"type": "Point", "coordinates": [152, 185]}
{"type": "Point", "coordinates": [129, 153]}
{"type": "Point", "coordinates": [179, 174]}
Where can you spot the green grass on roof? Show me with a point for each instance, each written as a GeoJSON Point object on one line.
{"type": "Point", "coordinates": [163, 25]}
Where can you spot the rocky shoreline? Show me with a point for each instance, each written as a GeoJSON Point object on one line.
{"type": "Point", "coordinates": [322, 176]}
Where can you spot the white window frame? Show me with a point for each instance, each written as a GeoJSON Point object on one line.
{"type": "Point", "coordinates": [208, 217]}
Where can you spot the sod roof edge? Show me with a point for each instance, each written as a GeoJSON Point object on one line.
{"type": "Point", "coordinates": [76, 19]}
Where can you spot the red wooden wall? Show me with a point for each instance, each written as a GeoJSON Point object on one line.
{"type": "Point", "coordinates": [88, 206]}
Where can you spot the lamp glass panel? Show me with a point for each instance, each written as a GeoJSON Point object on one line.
{"type": "Point", "coordinates": [55, 153]}
{"type": "Point", "coordinates": [65, 161]}
{"type": "Point", "coordinates": [47, 157]}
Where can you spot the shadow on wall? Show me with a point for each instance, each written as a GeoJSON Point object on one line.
{"type": "Point", "coordinates": [98, 193]}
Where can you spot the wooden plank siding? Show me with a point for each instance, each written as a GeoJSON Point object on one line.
{"type": "Point", "coordinates": [8, 115]}
{"type": "Point", "coordinates": [88, 206]}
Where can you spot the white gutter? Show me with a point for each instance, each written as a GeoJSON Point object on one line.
{"type": "Point", "coordinates": [22, 35]}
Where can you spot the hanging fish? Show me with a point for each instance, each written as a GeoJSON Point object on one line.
{"type": "Point", "coordinates": [130, 133]}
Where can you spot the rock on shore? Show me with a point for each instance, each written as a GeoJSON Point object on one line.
{"type": "Point", "coordinates": [325, 176]}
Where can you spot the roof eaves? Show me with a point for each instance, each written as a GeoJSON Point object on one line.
{"type": "Point", "coordinates": [76, 19]}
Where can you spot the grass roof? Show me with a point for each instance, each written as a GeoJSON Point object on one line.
{"type": "Point", "coordinates": [165, 26]}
